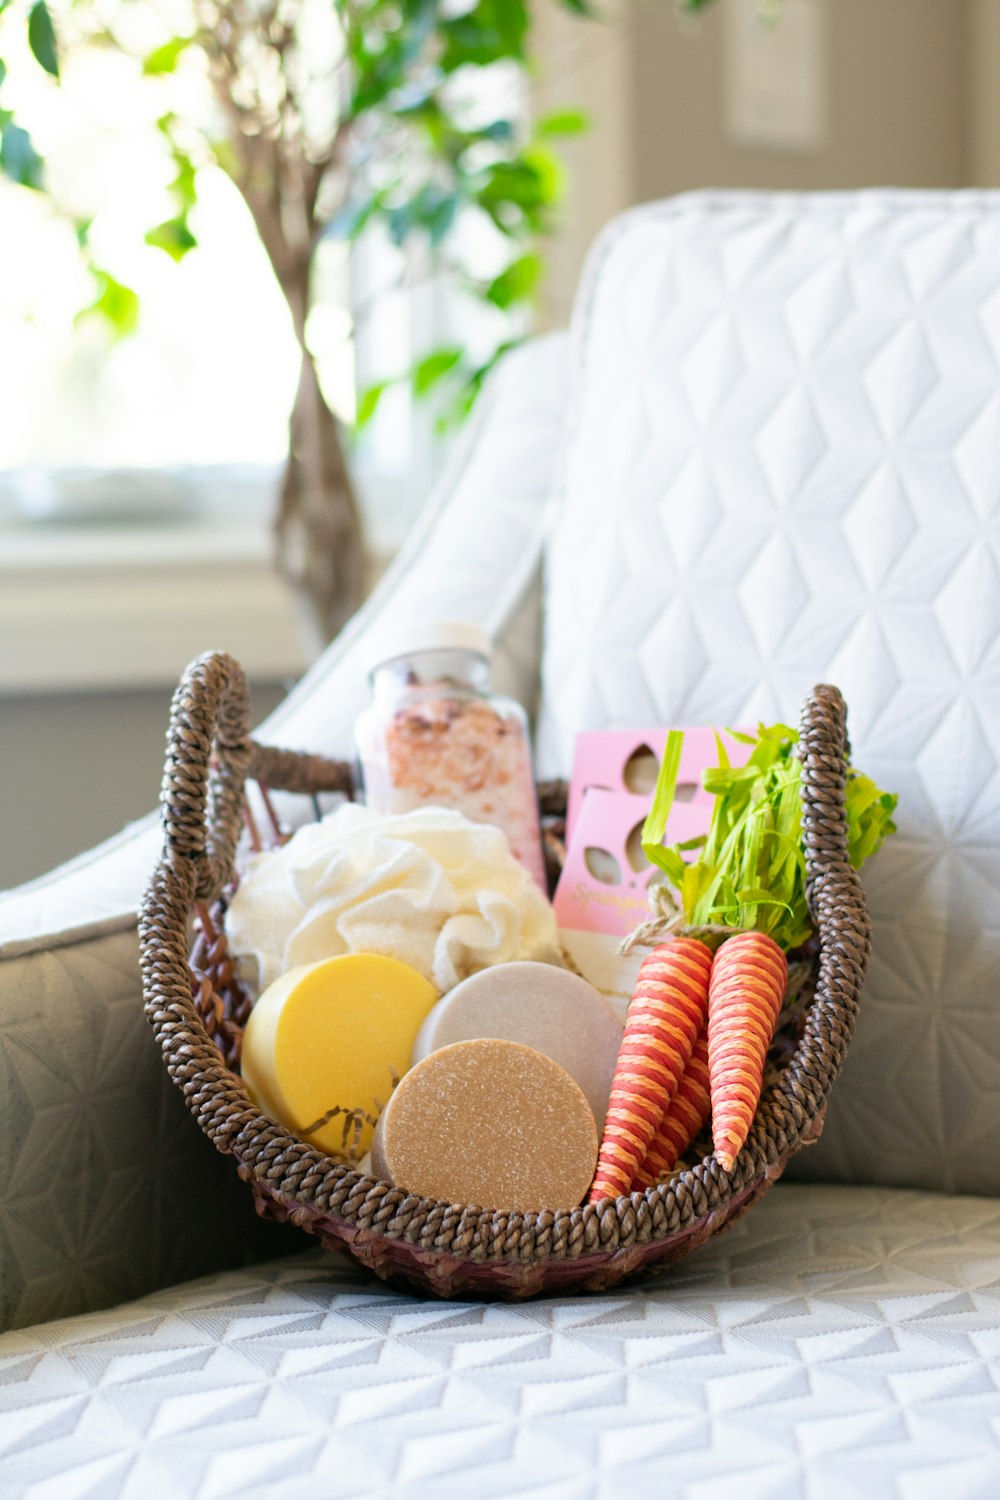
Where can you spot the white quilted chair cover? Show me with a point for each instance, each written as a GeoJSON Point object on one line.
{"type": "Point", "coordinates": [783, 467]}
{"type": "Point", "coordinates": [838, 1344]}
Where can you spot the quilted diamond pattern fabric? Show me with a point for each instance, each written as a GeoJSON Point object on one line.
{"type": "Point", "coordinates": [784, 467]}
{"type": "Point", "coordinates": [109, 1187]}
{"type": "Point", "coordinates": [838, 1342]}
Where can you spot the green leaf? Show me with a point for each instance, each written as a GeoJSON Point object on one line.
{"type": "Point", "coordinates": [164, 59]}
{"type": "Point", "coordinates": [655, 825]}
{"type": "Point", "coordinates": [721, 779]}
{"type": "Point", "coordinates": [439, 215]}
{"type": "Point", "coordinates": [467, 395]}
{"type": "Point", "coordinates": [517, 282]}
{"type": "Point", "coordinates": [400, 221]}
{"type": "Point", "coordinates": [432, 209]}
{"type": "Point", "coordinates": [226, 156]}
{"type": "Point", "coordinates": [751, 870]}
{"type": "Point", "coordinates": [496, 130]}
{"type": "Point", "coordinates": [42, 38]}
{"type": "Point", "coordinates": [173, 236]}
{"type": "Point", "coordinates": [671, 863]}
{"type": "Point", "coordinates": [351, 218]}
{"type": "Point", "coordinates": [184, 186]}
{"type": "Point", "coordinates": [490, 32]}
{"type": "Point", "coordinates": [384, 57]}
{"type": "Point", "coordinates": [368, 402]}
{"type": "Point", "coordinates": [869, 817]}
{"type": "Point", "coordinates": [429, 371]}
{"type": "Point", "coordinates": [18, 158]}
{"type": "Point", "coordinates": [116, 303]}
{"type": "Point", "coordinates": [563, 122]}
{"type": "Point", "coordinates": [518, 193]}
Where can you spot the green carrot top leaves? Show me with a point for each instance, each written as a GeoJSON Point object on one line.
{"type": "Point", "coordinates": [750, 869]}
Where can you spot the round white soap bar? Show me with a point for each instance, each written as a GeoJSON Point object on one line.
{"type": "Point", "coordinates": [555, 1012]}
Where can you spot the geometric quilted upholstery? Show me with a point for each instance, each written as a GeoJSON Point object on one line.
{"type": "Point", "coordinates": [783, 467]}
{"type": "Point", "coordinates": [839, 1342]}
{"type": "Point", "coordinates": [108, 1186]}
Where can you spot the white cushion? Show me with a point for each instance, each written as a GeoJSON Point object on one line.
{"type": "Point", "coordinates": [839, 1342]}
{"type": "Point", "coordinates": [784, 468]}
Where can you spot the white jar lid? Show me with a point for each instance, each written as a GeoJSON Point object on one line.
{"type": "Point", "coordinates": [439, 635]}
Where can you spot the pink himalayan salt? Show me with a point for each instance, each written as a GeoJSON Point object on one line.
{"type": "Point", "coordinates": [462, 754]}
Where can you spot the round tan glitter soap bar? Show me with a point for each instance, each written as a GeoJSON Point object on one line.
{"type": "Point", "coordinates": [335, 1033]}
{"type": "Point", "coordinates": [550, 1009]}
{"type": "Point", "coordinates": [491, 1123]}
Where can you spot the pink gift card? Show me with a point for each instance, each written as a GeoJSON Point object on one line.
{"type": "Point", "coordinates": [627, 761]}
{"type": "Point", "coordinates": [602, 893]}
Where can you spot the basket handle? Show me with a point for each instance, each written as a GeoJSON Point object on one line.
{"type": "Point", "coordinates": [834, 892]}
{"type": "Point", "coordinates": [825, 751]}
{"type": "Point", "coordinates": [209, 750]}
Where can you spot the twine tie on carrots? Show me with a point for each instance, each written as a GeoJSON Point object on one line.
{"type": "Point", "coordinates": [666, 921]}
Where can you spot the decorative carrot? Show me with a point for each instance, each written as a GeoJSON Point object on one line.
{"type": "Point", "coordinates": [685, 1115]}
{"type": "Point", "coordinates": [664, 1018]}
{"type": "Point", "coordinates": [747, 880]}
{"type": "Point", "coordinates": [745, 994]}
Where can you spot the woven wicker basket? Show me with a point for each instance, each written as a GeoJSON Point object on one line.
{"type": "Point", "coordinates": [196, 1008]}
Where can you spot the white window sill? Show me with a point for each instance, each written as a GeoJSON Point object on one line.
{"type": "Point", "coordinates": [104, 603]}
{"type": "Point", "coordinates": [131, 613]}
{"type": "Point", "coordinates": [107, 604]}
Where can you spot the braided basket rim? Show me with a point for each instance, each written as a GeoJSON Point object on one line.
{"type": "Point", "coordinates": [210, 755]}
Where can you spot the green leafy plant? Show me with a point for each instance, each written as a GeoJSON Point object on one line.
{"type": "Point", "coordinates": [330, 118]}
{"type": "Point", "coordinates": [750, 868]}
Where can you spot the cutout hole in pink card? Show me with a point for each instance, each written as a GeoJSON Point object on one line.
{"type": "Point", "coordinates": [602, 865]}
{"type": "Point", "coordinates": [640, 771]}
{"type": "Point", "coordinates": [633, 848]}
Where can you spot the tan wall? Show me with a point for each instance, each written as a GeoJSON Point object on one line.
{"type": "Point", "coordinates": [896, 90]}
{"type": "Point", "coordinates": [587, 65]}
{"type": "Point", "coordinates": [913, 100]}
{"type": "Point", "coordinates": [78, 767]}
{"type": "Point", "coordinates": [983, 134]}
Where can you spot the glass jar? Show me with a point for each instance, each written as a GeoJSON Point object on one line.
{"type": "Point", "coordinates": [436, 734]}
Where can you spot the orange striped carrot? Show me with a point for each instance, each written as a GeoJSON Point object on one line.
{"type": "Point", "coordinates": [664, 1017]}
{"type": "Point", "coordinates": [745, 992]}
{"type": "Point", "coordinates": [685, 1115]}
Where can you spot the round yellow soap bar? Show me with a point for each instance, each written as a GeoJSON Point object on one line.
{"type": "Point", "coordinates": [335, 1033]}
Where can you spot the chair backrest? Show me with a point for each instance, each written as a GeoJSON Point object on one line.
{"type": "Point", "coordinates": [783, 467]}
